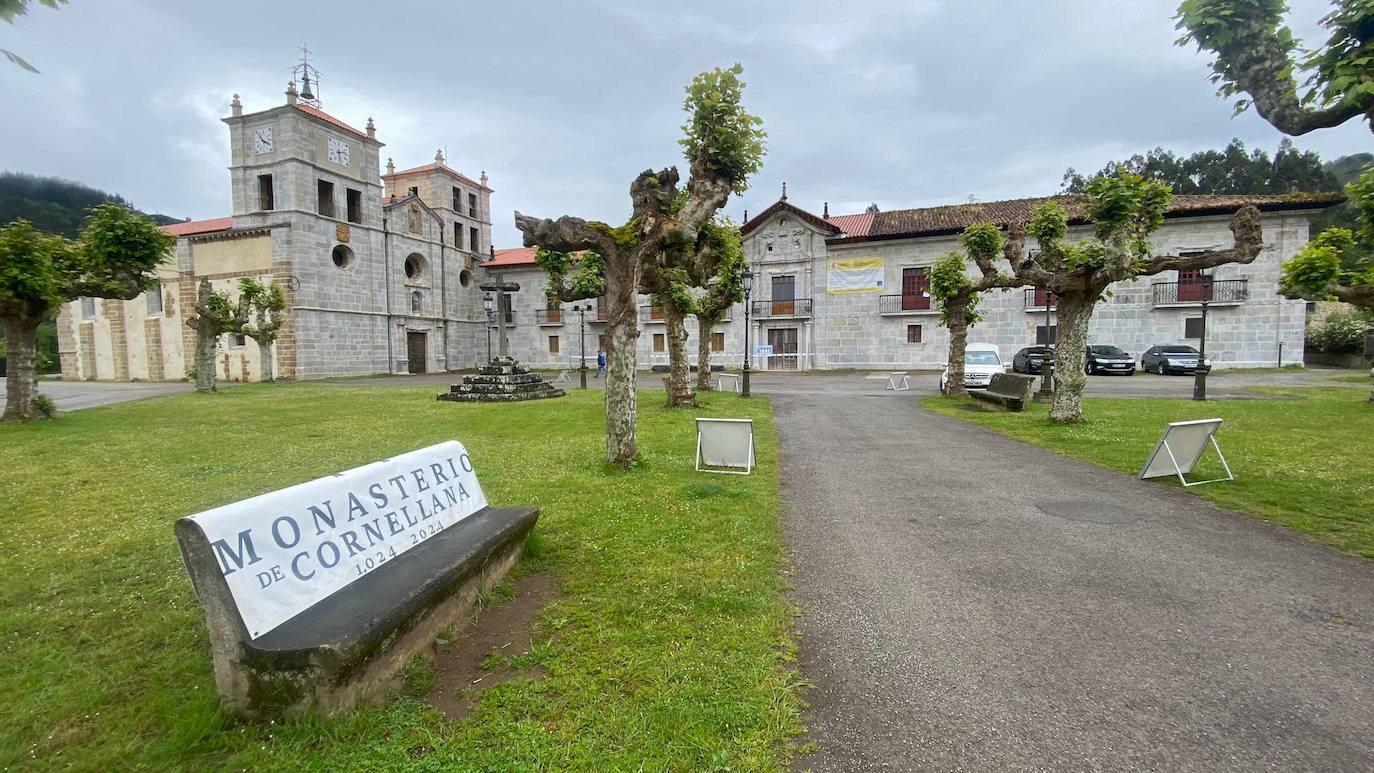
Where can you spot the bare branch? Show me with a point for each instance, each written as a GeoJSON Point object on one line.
{"type": "Point", "coordinates": [566, 234]}
{"type": "Point", "coordinates": [1248, 237]}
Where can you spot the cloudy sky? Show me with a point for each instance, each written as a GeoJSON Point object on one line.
{"type": "Point", "coordinates": [901, 103]}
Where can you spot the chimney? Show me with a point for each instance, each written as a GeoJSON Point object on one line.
{"type": "Point", "coordinates": [236, 107]}
{"type": "Point", "coordinates": [291, 93]}
{"type": "Point", "coordinates": [825, 213]}
{"type": "Point", "coordinates": [371, 129]}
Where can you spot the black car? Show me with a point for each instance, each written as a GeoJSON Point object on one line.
{"type": "Point", "coordinates": [1030, 359]}
{"type": "Point", "coordinates": [1173, 358]}
{"type": "Point", "coordinates": [1108, 359]}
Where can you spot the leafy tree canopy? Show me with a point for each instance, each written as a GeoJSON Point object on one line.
{"type": "Point", "coordinates": [1231, 170]}
{"type": "Point", "coordinates": [733, 138]}
{"type": "Point", "coordinates": [55, 205]}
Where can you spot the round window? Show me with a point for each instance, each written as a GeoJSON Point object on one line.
{"type": "Point", "coordinates": [415, 266]}
{"type": "Point", "coordinates": [343, 256]}
{"type": "Point", "coordinates": [465, 278]}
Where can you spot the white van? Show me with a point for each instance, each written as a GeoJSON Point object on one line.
{"type": "Point", "coordinates": [981, 361]}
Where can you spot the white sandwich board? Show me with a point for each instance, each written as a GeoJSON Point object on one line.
{"type": "Point", "coordinates": [897, 382]}
{"type": "Point", "coordinates": [733, 379]}
{"type": "Point", "coordinates": [725, 445]}
{"type": "Point", "coordinates": [1179, 449]}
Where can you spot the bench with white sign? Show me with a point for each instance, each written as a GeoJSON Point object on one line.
{"type": "Point", "coordinates": [317, 594]}
{"type": "Point", "coordinates": [1006, 391]}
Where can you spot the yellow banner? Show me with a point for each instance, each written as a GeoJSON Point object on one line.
{"type": "Point", "coordinates": [855, 275]}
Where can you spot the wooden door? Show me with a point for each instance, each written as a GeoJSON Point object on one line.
{"type": "Point", "coordinates": [416, 351]}
{"type": "Point", "coordinates": [1190, 286]}
{"type": "Point", "coordinates": [784, 295]}
{"type": "Point", "coordinates": [784, 343]}
{"type": "Point", "coordinates": [915, 286]}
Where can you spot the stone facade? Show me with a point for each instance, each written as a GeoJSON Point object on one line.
{"type": "Point", "coordinates": [379, 270]}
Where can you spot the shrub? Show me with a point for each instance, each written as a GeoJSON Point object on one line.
{"type": "Point", "coordinates": [44, 405]}
{"type": "Point", "coordinates": [1342, 332]}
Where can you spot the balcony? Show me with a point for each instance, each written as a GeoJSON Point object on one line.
{"type": "Point", "coordinates": [651, 314]}
{"type": "Point", "coordinates": [907, 303]}
{"type": "Point", "coordinates": [797, 308]}
{"type": "Point", "coordinates": [1037, 299]}
{"type": "Point", "coordinates": [549, 317]}
{"type": "Point", "coordinates": [1218, 292]}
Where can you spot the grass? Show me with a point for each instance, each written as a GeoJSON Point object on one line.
{"type": "Point", "coordinates": [1302, 462]}
{"type": "Point", "coordinates": [668, 651]}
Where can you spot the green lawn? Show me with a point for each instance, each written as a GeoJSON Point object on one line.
{"type": "Point", "coordinates": [1302, 461]}
{"type": "Point", "coordinates": [669, 650]}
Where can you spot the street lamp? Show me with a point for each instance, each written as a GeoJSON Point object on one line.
{"type": "Point", "coordinates": [1200, 372]}
{"type": "Point", "coordinates": [1046, 393]}
{"type": "Point", "coordinates": [487, 304]}
{"type": "Point", "coordinates": [582, 309]}
{"type": "Point", "coordinates": [748, 289]}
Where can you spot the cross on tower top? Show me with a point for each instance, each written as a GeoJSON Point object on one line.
{"type": "Point", "coordinates": [309, 77]}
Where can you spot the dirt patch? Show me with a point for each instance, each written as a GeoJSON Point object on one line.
{"type": "Point", "coordinates": [491, 638]}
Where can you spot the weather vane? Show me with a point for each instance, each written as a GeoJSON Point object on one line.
{"type": "Point", "coordinates": [306, 74]}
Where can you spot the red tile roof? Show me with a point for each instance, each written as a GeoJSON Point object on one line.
{"type": "Point", "coordinates": [193, 227]}
{"type": "Point", "coordinates": [853, 225]}
{"type": "Point", "coordinates": [327, 118]}
{"type": "Point", "coordinates": [512, 256]}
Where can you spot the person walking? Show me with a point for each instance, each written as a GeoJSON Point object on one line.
{"type": "Point", "coordinates": [600, 364]}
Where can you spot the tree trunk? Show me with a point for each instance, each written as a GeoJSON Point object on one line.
{"type": "Point", "coordinates": [705, 322]}
{"type": "Point", "coordinates": [621, 367]}
{"type": "Point", "coordinates": [265, 373]}
{"type": "Point", "coordinates": [21, 384]}
{"type": "Point", "coordinates": [957, 310]}
{"type": "Point", "coordinates": [207, 335]}
{"type": "Point", "coordinates": [1074, 311]}
{"type": "Point", "coordinates": [679, 370]}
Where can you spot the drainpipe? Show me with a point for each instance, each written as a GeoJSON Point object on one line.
{"type": "Point", "coordinates": [386, 283]}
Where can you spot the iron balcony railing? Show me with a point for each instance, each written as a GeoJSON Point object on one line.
{"type": "Point", "coordinates": [651, 313]}
{"type": "Point", "coordinates": [905, 303]}
{"type": "Point", "coordinates": [800, 307]}
{"type": "Point", "coordinates": [1038, 297]}
{"type": "Point", "coordinates": [1196, 291]}
{"type": "Point", "coordinates": [549, 316]}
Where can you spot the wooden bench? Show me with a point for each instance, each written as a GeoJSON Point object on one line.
{"type": "Point", "coordinates": [1005, 392]}
{"type": "Point", "coordinates": [316, 595]}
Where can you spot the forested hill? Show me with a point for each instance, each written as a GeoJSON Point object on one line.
{"type": "Point", "coordinates": [53, 204]}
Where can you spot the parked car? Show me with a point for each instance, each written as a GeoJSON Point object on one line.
{"type": "Point", "coordinates": [981, 361]}
{"type": "Point", "coordinates": [1108, 359]}
{"type": "Point", "coordinates": [1031, 359]}
{"type": "Point", "coordinates": [1173, 358]}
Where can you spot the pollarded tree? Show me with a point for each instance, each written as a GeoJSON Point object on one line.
{"type": "Point", "coordinates": [723, 278]}
{"type": "Point", "coordinates": [724, 145]}
{"type": "Point", "coordinates": [214, 315]}
{"type": "Point", "coordinates": [1124, 210]}
{"type": "Point", "coordinates": [958, 293]}
{"type": "Point", "coordinates": [260, 314]}
{"type": "Point", "coordinates": [114, 258]}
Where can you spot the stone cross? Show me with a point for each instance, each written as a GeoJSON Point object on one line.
{"type": "Point", "coordinates": [501, 288]}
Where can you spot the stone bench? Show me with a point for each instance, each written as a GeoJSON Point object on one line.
{"type": "Point", "coordinates": [1005, 392]}
{"type": "Point", "coordinates": [420, 573]}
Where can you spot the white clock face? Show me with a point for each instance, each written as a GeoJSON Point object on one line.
{"type": "Point", "coordinates": [262, 140]}
{"type": "Point", "coordinates": [338, 151]}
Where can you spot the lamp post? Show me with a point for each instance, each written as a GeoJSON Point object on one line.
{"type": "Point", "coordinates": [1200, 372]}
{"type": "Point", "coordinates": [748, 289]}
{"type": "Point", "coordinates": [487, 304]}
{"type": "Point", "coordinates": [1046, 393]}
{"type": "Point", "coordinates": [582, 309]}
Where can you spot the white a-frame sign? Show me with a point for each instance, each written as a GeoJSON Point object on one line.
{"type": "Point", "coordinates": [1179, 449]}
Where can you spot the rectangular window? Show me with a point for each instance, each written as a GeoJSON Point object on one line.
{"type": "Point", "coordinates": [472, 205]}
{"type": "Point", "coordinates": [355, 205]}
{"type": "Point", "coordinates": [717, 342]}
{"type": "Point", "coordinates": [474, 240]}
{"type": "Point", "coordinates": [658, 342]}
{"type": "Point", "coordinates": [553, 344]}
{"type": "Point", "coordinates": [414, 190]}
{"type": "Point", "coordinates": [915, 289]}
{"type": "Point", "coordinates": [266, 200]}
{"type": "Point", "coordinates": [326, 198]}
{"type": "Point", "coordinates": [1192, 327]}
{"type": "Point", "coordinates": [457, 200]}
{"type": "Point", "coordinates": [154, 296]}
{"type": "Point", "coordinates": [1046, 340]}
{"type": "Point", "coordinates": [458, 236]}
{"type": "Point", "coordinates": [913, 334]}
{"type": "Point", "coordinates": [88, 308]}
{"type": "Point", "coordinates": [784, 295]}
{"type": "Point", "coordinates": [239, 340]}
